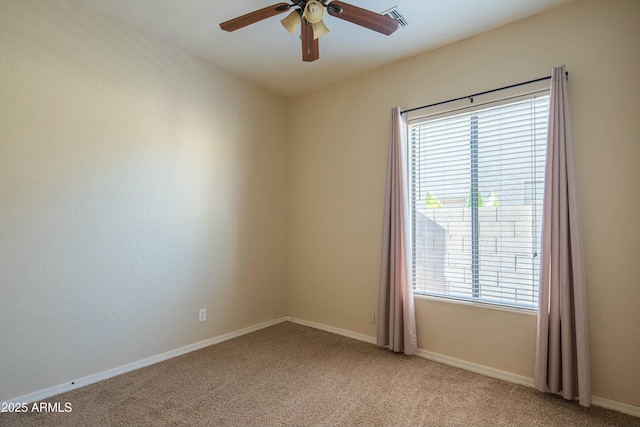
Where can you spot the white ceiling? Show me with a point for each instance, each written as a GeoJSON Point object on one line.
{"type": "Point", "coordinates": [271, 57]}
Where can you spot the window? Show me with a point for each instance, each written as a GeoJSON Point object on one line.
{"type": "Point", "coordinates": [477, 183]}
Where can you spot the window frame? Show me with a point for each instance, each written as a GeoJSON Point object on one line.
{"type": "Point", "coordinates": [459, 107]}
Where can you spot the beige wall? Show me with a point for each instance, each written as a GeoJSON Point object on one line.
{"type": "Point", "coordinates": [337, 170]}
{"type": "Point", "coordinates": [137, 185]}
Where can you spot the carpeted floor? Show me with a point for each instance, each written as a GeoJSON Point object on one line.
{"type": "Point", "coordinates": [291, 375]}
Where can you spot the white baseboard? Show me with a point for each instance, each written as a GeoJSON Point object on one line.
{"type": "Point", "coordinates": [615, 405]}
{"type": "Point", "coordinates": [334, 330]}
{"type": "Point", "coordinates": [602, 402]}
{"type": "Point", "coordinates": [480, 369]}
{"type": "Point", "coordinates": [84, 381]}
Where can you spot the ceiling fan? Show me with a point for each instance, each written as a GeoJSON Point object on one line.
{"type": "Point", "coordinates": [309, 13]}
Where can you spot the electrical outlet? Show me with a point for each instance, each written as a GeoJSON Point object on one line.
{"type": "Point", "coordinates": [202, 315]}
{"type": "Point", "coordinates": [372, 318]}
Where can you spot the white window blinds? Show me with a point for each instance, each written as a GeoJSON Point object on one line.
{"type": "Point", "coordinates": [477, 182]}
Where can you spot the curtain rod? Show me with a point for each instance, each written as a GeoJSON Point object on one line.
{"type": "Point", "coordinates": [470, 97]}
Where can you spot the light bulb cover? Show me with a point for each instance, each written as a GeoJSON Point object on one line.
{"type": "Point", "coordinates": [290, 23]}
{"type": "Point", "coordinates": [319, 29]}
{"type": "Point", "coordinates": [314, 11]}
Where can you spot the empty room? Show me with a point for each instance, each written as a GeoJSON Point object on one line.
{"type": "Point", "coordinates": [362, 213]}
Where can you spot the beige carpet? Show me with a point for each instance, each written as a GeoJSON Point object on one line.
{"type": "Point", "coordinates": [290, 375]}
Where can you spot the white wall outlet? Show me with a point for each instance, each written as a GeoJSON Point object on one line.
{"type": "Point", "coordinates": [372, 318]}
{"type": "Point", "coordinates": [202, 315]}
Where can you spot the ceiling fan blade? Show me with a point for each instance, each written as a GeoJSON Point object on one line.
{"type": "Point", "coordinates": [363, 17]}
{"type": "Point", "coordinates": [253, 17]}
{"type": "Point", "coordinates": [310, 46]}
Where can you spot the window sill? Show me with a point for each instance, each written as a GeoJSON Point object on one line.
{"type": "Point", "coordinates": [529, 311]}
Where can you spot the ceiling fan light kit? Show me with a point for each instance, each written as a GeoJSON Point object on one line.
{"type": "Point", "coordinates": [310, 14]}
{"type": "Point", "coordinates": [313, 13]}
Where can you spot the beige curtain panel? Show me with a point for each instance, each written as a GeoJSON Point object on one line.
{"type": "Point", "coordinates": [562, 353]}
{"type": "Point", "coordinates": [396, 314]}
